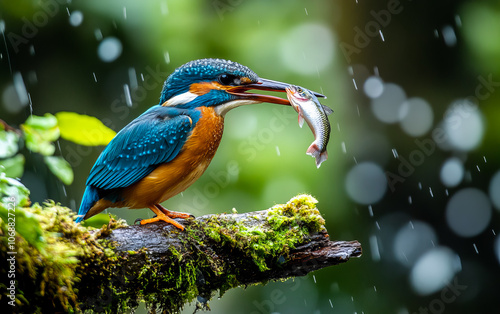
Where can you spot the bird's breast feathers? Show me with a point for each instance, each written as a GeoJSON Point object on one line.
{"type": "Point", "coordinates": [177, 175]}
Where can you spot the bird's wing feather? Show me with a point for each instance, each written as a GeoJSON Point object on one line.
{"type": "Point", "coordinates": [154, 138]}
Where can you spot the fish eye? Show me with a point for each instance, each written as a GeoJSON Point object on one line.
{"type": "Point", "coordinates": [228, 79]}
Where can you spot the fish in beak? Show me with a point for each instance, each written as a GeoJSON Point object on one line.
{"type": "Point", "coordinates": [267, 85]}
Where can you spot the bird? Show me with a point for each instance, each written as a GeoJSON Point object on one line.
{"type": "Point", "coordinates": [168, 147]}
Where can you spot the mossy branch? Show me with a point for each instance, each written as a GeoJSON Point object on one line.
{"type": "Point", "coordinates": [119, 266]}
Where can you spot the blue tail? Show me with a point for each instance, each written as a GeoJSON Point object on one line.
{"type": "Point", "coordinates": [90, 197]}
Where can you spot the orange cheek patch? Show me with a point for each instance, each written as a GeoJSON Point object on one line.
{"type": "Point", "coordinates": [203, 88]}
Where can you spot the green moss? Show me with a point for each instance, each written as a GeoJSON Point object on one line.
{"type": "Point", "coordinates": [287, 225]}
{"type": "Point", "coordinates": [124, 279]}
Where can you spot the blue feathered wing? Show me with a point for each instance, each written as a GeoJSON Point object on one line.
{"type": "Point", "coordinates": [154, 138]}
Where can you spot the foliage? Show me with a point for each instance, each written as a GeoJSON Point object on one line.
{"type": "Point", "coordinates": [40, 133]}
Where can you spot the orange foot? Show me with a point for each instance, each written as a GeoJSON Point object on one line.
{"type": "Point", "coordinates": [165, 215]}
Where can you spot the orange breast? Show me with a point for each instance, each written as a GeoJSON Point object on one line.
{"type": "Point", "coordinates": [177, 175]}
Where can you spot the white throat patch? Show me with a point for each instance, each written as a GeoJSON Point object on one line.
{"type": "Point", "coordinates": [225, 107]}
{"type": "Point", "coordinates": [180, 99]}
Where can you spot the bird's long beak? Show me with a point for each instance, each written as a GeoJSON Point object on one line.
{"type": "Point", "coordinates": [264, 84]}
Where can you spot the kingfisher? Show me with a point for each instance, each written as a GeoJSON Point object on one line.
{"type": "Point", "coordinates": [167, 148]}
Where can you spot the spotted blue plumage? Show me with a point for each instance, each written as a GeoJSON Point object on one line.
{"type": "Point", "coordinates": [155, 137]}
{"type": "Point", "coordinates": [201, 70]}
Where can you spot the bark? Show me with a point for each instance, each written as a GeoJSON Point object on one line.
{"type": "Point", "coordinates": [119, 266]}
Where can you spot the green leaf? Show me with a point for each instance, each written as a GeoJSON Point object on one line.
{"type": "Point", "coordinates": [12, 190]}
{"type": "Point", "coordinates": [13, 167]}
{"type": "Point", "coordinates": [26, 224]}
{"type": "Point", "coordinates": [8, 144]}
{"type": "Point", "coordinates": [46, 122]}
{"type": "Point", "coordinates": [83, 129]}
{"type": "Point", "coordinates": [60, 168]}
{"type": "Point", "coordinates": [40, 132]}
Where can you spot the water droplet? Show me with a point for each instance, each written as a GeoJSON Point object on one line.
{"type": "Point", "coordinates": [20, 88]}
{"type": "Point", "coordinates": [128, 99]}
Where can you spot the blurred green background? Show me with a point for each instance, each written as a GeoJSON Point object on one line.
{"type": "Point", "coordinates": [413, 157]}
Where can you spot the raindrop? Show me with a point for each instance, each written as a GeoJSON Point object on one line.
{"type": "Point", "coordinates": [314, 278]}
{"type": "Point", "coordinates": [344, 150]}
{"type": "Point", "coordinates": [32, 50]}
{"type": "Point", "coordinates": [395, 153]}
{"type": "Point", "coordinates": [409, 200]}
{"type": "Point", "coordinates": [366, 183]}
{"type": "Point", "coordinates": [76, 18]}
{"type": "Point", "coordinates": [477, 167]}
{"type": "Point", "coordinates": [278, 151]}
{"type": "Point", "coordinates": [20, 88]}
{"type": "Point", "coordinates": [381, 35]}
{"type": "Point", "coordinates": [430, 191]}
{"type": "Point", "coordinates": [475, 248]}
{"type": "Point", "coordinates": [109, 49]}
{"type": "Point", "coordinates": [374, 248]}
{"type": "Point", "coordinates": [95, 77]}
{"type": "Point", "coordinates": [377, 225]}
{"type": "Point", "coordinates": [125, 13]}
{"type": "Point", "coordinates": [305, 9]}
{"type": "Point", "coordinates": [331, 304]}
{"type": "Point", "coordinates": [484, 158]}
{"type": "Point", "coordinates": [449, 36]}
{"type": "Point", "coordinates": [386, 107]}
{"type": "Point", "coordinates": [132, 77]}
{"type": "Point", "coordinates": [373, 87]}
{"type": "Point", "coordinates": [98, 34]}
{"type": "Point", "coordinates": [420, 185]}
{"type": "Point", "coordinates": [434, 270]}
{"type": "Point", "coordinates": [166, 55]}
{"type": "Point", "coordinates": [370, 210]}
{"type": "Point", "coordinates": [452, 172]}
{"type": "Point", "coordinates": [354, 82]}
{"type": "Point", "coordinates": [458, 20]}
{"type": "Point", "coordinates": [468, 212]}
{"type": "Point", "coordinates": [128, 99]}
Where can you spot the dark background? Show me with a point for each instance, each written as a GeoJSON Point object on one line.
{"type": "Point", "coordinates": [424, 248]}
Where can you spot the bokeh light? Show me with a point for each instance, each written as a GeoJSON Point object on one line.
{"type": "Point", "coordinates": [308, 48]}
{"type": "Point", "coordinates": [386, 107]}
{"type": "Point", "coordinates": [463, 125]}
{"type": "Point", "coordinates": [76, 18]}
{"type": "Point", "coordinates": [452, 172]}
{"type": "Point", "coordinates": [366, 183]}
{"type": "Point", "coordinates": [412, 240]}
{"type": "Point", "coordinates": [468, 212]}
{"type": "Point", "coordinates": [373, 87]}
{"type": "Point", "coordinates": [494, 190]}
{"type": "Point", "coordinates": [109, 49]}
{"type": "Point", "coordinates": [416, 116]}
{"type": "Point", "coordinates": [434, 270]}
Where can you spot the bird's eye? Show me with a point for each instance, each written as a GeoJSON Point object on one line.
{"type": "Point", "coordinates": [228, 79]}
{"type": "Point", "coordinates": [300, 90]}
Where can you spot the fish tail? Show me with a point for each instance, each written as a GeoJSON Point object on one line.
{"type": "Point", "coordinates": [314, 151]}
{"type": "Point", "coordinates": [90, 197]}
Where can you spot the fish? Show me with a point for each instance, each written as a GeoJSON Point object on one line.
{"type": "Point", "coordinates": [316, 115]}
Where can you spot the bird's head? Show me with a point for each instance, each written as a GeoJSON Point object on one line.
{"type": "Point", "coordinates": [217, 83]}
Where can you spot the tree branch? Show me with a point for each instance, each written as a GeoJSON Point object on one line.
{"type": "Point", "coordinates": [167, 268]}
